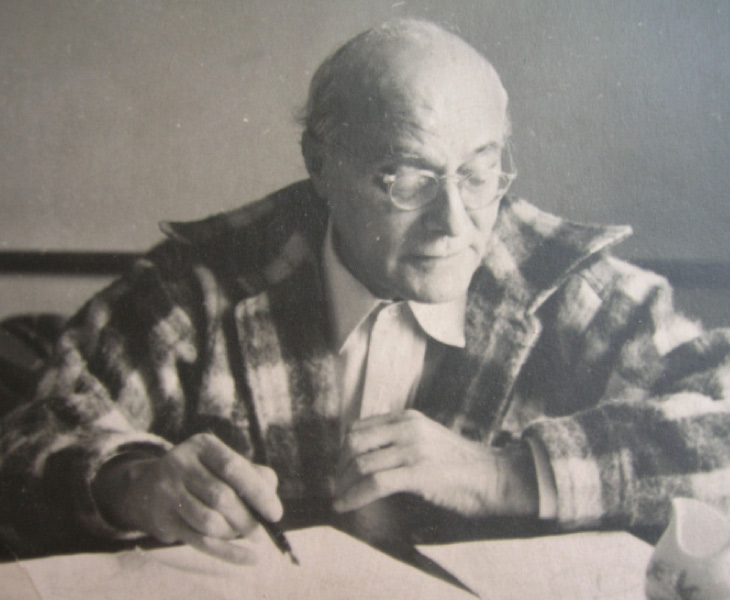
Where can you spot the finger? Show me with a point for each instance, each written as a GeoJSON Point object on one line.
{"type": "Point", "coordinates": [268, 474]}
{"type": "Point", "coordinates": [374, 487]}
{"type": "Point", "coordinates": [382, 459]}
{"type": "Point", "coordinates": [204, 519]}
{"type": "Point", "coordinates": [220, 497]}
{"type": "Point", "coordinates": [362, 441]}
{"type": "Point", "coordinates": [239, 554]}
{"type": "Point", "coordinates": [377, 420]}
{"type": "Point", "coordinates": [244, 477]}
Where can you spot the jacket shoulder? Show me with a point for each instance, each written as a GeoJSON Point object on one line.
{"type": "Point", "coordinates": [245, 247]}
{"type": "Point", "coordinates": [608, 274]}
{"type": "Point", "coordinates": [612, 297]}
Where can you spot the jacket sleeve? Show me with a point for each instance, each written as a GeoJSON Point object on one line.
{"type": "Point", "coordinates": [118, 383]}
{"type": "Point", "coordinates": [640, 413]}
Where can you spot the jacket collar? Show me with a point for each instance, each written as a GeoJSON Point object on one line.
{"type": "Point", "coordinates": [531, 252]}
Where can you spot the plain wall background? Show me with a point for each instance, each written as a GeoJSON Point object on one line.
{"type": "Point", "coordinates": [118, 114]}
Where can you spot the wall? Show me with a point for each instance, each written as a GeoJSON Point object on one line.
{"type": "Point", "coordinates": [118, 114]}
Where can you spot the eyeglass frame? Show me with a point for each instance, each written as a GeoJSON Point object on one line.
{"type": "Point", "coordinates": [390, 179]}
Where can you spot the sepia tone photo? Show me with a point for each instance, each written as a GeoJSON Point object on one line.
{"type": "Point", "coordinates": [364, 300]}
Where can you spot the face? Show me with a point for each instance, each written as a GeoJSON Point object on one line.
{"type": "Point", "coordinates": [446, 119]}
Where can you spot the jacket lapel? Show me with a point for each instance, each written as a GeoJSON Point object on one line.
{"type": "Point", "coordinates": [267, 252]}
{"type": "Point", "coordinates": [290, 372]}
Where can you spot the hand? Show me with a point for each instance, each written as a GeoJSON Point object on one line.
{"type": "Point", "coordinates": [408, 452]}
{"type": "Point", "coordinates": [198, 493]}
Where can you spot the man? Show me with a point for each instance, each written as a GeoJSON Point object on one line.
{"type": "Point", "coordinates": [394, 325]}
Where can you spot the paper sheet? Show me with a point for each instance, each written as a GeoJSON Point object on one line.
{"type": "Point", "coordinates": [597, 566]}
{"type": "Point", "coordinates": [333, 566]}
{"type": "Point", "coordinates": [583, 566]}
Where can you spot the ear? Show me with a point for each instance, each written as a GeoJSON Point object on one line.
{"type": "Point", "coordinates": [314, 156]}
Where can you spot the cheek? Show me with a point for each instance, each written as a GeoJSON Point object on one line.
{"type": "Point", "coordinates": [370, 236]}
{"type": "Point", "coordinates": [484, 222]}
{"type": "Point", "coordinates": [396, 234]}
{"type": "Point", "coordinates": [380, 230]}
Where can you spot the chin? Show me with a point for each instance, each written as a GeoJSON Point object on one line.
{"type": "Point", "coordinates": [435, 297]}
{"type": "Point", "coordinates": [437, 281]}
{"type": "Point", "coordinates": [434, 290]}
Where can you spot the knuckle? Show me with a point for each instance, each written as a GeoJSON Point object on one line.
{"type": "Point", "coordinates": [202, 442]}
{"type": "Point", "coordinates": [173, 455]}
{"type": "Point", "coordinates": [164, 532]}
{"type": "Point", "coordinates": [204, 438]}
{"type": "Point", "coordinates": [173, 466]}
{"type": "Point", "coordinates": [354, 442]}
{"type": "Point", "coordinates": [269, 474]}
{"type": "Point", "coordinates": [249, 526]}
{"type": "Point", "coordinates": [197, 442]}
{"type": "Point", "coordinates": [412, 414]}
{"type": "Point", "coordinates": [219, 496]}
{"type": "Point", "coordinates": [229, 470]}
{"type": "Point", "coordinates": [181, 456]}
{"type": "Point", "coordinates": [212, 523]}
{"type": "Point", "coordinates": [377, 483]}
{"type": "Point", "coordinates": [168, 489]}
{"type": "Point", "coordinates": [206, 520]}
{"type": "Point", "coordinates": [361, 464]}
{"type": "Point", "coordinates": [165, 536]}
{"type": "Point", "coordinates": [347, 444]}
{"type": "Point", "coordinates": [415, 455]}
{"type": "Point", "coordinates": [419, 426]}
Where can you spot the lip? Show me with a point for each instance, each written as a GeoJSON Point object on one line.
{"type": "Point", "coordinates": [439, 255]}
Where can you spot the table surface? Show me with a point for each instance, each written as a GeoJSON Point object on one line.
{"type": "Point", "coordinates": [600, 565]}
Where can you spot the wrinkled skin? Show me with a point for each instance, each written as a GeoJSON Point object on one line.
{"type": "Point", "coordinates": [408, 452]}
{"type": "Point", "coordinates": [201, 493]}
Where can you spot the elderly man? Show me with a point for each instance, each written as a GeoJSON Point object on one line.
{"type": "Point", "coordinates": [393, 325]}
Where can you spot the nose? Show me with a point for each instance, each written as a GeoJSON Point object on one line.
{"type": "Point", "coordinates": [447, 214]}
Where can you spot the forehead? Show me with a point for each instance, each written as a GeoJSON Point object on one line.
{"type": "Point", "coordinates": [446, 99]}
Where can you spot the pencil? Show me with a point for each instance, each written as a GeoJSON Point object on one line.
{"type": "Point", "coordinates": [276, 534]}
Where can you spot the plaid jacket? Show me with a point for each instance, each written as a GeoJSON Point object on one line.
{"type": "Point", "coordinates": [223, 328]}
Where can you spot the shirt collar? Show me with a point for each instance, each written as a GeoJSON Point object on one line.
{"type": "Point", "coordinates": [350, 303]}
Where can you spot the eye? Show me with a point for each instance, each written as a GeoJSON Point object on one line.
{"type": "Point", "coordinates": [386, 175]}
{"type": "Point", "coordinates": [475, 180]}
{"type": "Point", "coordinates": [481, 171]}
{"type": "Point", "coordinates": [405, 176]}
{"type": "Point", "coordinates": [413, 184]}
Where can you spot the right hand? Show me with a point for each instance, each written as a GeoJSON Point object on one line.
{"type": "Point", "coordinates": [197, 493]}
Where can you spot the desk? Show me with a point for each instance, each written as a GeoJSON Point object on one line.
{"type": "Point", "coordinates": [336, 566]}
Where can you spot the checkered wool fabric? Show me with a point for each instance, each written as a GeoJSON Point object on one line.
{"type": "Point", "coordinates": [223, 328]}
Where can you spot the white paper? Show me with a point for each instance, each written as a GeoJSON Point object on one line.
{"type": "Point", "coordinates": [333, 566]}
{"type": "Point", "coordinates": [583, 566]}
{"type": "Point", "coordinates": [596, 566]}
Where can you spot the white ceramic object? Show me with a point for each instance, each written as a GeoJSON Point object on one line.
{"type": "Point", "coordinates": [691, 561]}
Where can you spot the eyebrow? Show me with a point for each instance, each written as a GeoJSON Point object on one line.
{"type": "Point", "coordinates": [407, 157]}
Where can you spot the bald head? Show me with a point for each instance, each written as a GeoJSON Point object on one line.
{"type": "Point", "coordinates": [404, 130]}
{"type": "Point", "coordinates": [399, 70]}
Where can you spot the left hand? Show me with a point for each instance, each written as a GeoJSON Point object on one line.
{"type": "Point", "coordinates": [408, 452]}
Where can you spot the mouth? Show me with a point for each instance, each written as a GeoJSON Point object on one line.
{"type": "Point", "coordinates": [442, 255]}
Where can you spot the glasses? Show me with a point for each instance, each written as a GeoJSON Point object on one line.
{"type": "Point", "coordinates": [412, 189]}
{"type": "Point", "coordinates": [481, 184]}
